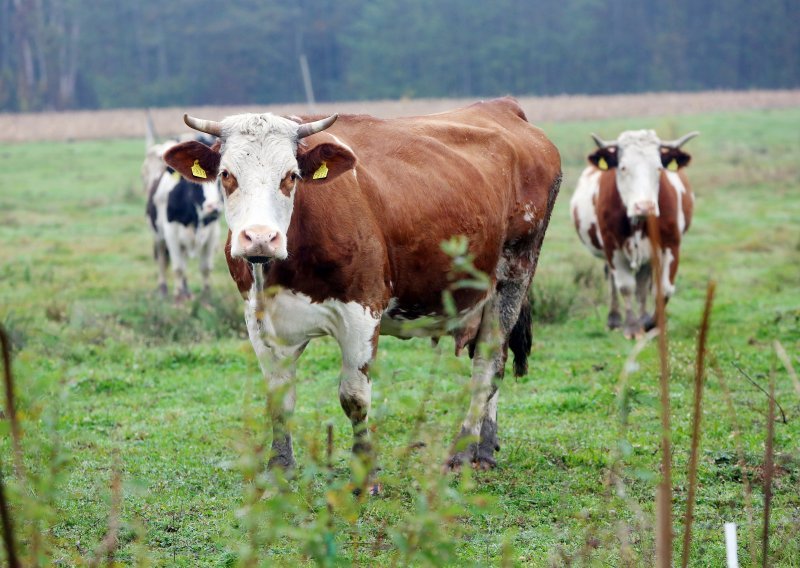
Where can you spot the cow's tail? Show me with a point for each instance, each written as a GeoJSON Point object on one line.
{"type": "Point", "coordinates": [520, 340]}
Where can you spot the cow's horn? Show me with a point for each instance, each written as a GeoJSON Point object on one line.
{"type": "Point", "coordinates": [602, 143]}
{"type": "Point", "coordinates": [208, 126]}
{"type": "Point", "coordinates": [310, 128]}
{"type": "Point", "coordinates": [675, 144]}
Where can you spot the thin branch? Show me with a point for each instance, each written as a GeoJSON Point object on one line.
{"type": "Point", "coordinates": [8, 529]}
{"type": "Point", "coordinates": [697, 415]}
{"type": "Point", "coordinates": [768, 471]}
{"type": "Point", "coordinates": [664, 490]}
{"type": "Point", "coordinates": [759, 387]}
{"type": "Point", "coordinates": [11, 408]}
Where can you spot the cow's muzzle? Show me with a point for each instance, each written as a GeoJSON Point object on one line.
{"type": "Point", "coordinates": [644, 209]}
{"type": "Point", "coordinates": [259, 244]}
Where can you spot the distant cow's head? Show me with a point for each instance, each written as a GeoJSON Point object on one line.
{"type": "Point", "coordinates": [638, 158]}
{"type": "Point", "coordinates": [259, 164]}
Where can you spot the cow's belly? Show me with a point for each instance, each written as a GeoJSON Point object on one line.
{"type": "Point", "coordinates": [394, 323]}
{"type": "Point", "coordinates": [635, 252]}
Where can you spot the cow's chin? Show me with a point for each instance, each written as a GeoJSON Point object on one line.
{"type": "Point", "coordinates": [265, 260]}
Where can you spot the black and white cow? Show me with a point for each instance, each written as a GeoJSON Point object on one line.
{"type": "Point", "coordinates": [184, 218]}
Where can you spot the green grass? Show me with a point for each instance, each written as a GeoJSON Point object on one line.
{"type": "Point", "coordinates": [107, 371]}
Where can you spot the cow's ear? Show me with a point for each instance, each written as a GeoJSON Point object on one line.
{"type": "Point", "coordinates": [674, 159]}
{"type": "Point", "coordinates": [324, 162]}
{"type": "Point", "coordinates": [605, 158]}
{"type": "Point", "coordinates": [194, 160]}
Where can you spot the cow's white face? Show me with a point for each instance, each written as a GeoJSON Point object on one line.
{"type": "Point", "coordinates": [258, 171]}
{"type": "Point", "coordinates": [638, 157]}
{"type": "Point", "coordinates": [259, 164]}
{"type": "Point", "coordinates": [638, 171]}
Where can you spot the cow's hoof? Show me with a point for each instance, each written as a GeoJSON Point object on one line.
{"type": "Point", "coordinates": [484, 463]}
{"type": "Point", "coordinates": [454, 462]}
{"type": "Point", "coordinates": [162, 290]}
{"type": "Point", "coordinates": [182, 297]}
{"type": "Point", "coordinates": [614, 320]}
{"type": "Point", "coordinates": [285, 463]}
{"type": "Point", "coordinates": [633, 331]}
{"type": "Point", "coordinates": [648, 322]}
{"type": "Point", "coordinates": [372, 490]}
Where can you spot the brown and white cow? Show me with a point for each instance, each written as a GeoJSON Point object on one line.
{"type": "Point", "coordinates": [336, 229]}
{"type": "Point", "coordinates": [630, 178]}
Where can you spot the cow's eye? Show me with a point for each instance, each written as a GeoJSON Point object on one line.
{"type": "Point", "coordinates": [224, 174]}
{"type": "Point", "coordinates": [295, 176]}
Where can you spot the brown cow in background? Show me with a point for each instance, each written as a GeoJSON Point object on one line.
{"type": "Point", "coordinates": [633, 177]}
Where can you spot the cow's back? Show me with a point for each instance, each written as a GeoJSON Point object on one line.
{"type": "Point", "coordinates": [483, 172]}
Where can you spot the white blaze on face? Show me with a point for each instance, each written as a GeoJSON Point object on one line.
{"type": "Point", "coordinates": [638, 171]}
{"type": "Point", "coordinates": [259, 150]}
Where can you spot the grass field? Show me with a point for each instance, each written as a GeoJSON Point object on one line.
{"type": "Point", "coordinates": [107, 373]}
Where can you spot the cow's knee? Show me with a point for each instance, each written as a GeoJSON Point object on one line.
{"type": "Point", "coordinates": [355, 395]}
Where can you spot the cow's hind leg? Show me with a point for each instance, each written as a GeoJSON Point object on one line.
{"type": "Point", "coordinates": [625, 281]}
{"type": "Point", "coordinates": [644, 279]}
{"type": "Point", "coordinates": [505, 319]}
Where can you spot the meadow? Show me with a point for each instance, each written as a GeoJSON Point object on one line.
{"type": "Point", "coordinates": [115, 383]}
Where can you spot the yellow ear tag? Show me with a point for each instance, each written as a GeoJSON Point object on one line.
{"type": "Point", "coordinates": [602, 164]}
{"type": "Point", "coordinates": [198, 171]}
{"type": "Point", "coordinates": [176, 175]}
{"type": "Point", "coordinates": [322, 172]}
{"type": "Point", "coordinates": [673, 165]}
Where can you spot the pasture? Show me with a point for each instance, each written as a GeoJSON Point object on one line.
{"type": "Point", "coordinates": [110, 378]}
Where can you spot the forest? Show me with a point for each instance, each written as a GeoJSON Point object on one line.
{"type": "Point", "coordinates": [67, 54]}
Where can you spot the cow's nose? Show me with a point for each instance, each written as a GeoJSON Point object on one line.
{"type": "Point", "coordinates": [644, 208]}
{"type": "Point", "coordinates": [260, 243]}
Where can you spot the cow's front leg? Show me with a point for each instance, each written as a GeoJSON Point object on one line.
{"type": "Point", "coordinates": [278, 363]}
{"type": "Point", "coordinates": [358, 339]}
{"type": "Point", "coordinates": [206, 263]}
{"type": "Point", "coordinates": [281, 398]}
{"type": "Point", "coordinates": [614, 317]}
{"type": "Point", "coordinates": [355, 396]}
{"type": "Point", "coordinates": [162, 259]}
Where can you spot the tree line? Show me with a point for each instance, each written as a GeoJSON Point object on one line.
{"type": "Point", "coordinates": [64, 54]}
